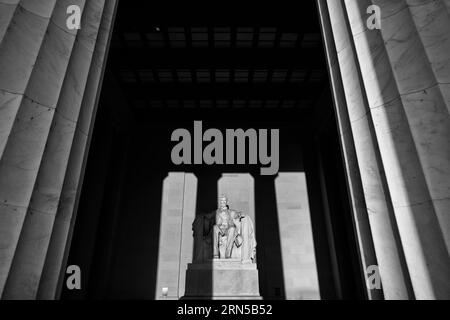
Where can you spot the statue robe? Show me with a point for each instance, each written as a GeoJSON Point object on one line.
{"type": "Point", "coordinates": [247, 250]}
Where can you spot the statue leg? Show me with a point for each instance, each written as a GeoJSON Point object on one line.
{"type": "Point", "coordinates": [230, 242]}
{"type": "Point", "coordinates": [216, 242]}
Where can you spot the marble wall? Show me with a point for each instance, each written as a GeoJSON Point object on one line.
{"type": "Point", "coordinates": [391, 97]}
{"type": "Point", "coordinates": [49, 86]}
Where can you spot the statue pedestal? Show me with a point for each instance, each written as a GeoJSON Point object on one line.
{"type": "Point", "coordinates": [222, 279]}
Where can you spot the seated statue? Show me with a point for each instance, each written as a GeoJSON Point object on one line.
{"type": "Point", "coordinates": [224, 234]}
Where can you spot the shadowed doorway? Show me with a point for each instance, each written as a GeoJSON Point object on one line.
{"type": "Point", "coordinates": [255, 67]}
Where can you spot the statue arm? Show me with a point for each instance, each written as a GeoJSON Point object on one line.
{"type": "Point", "coordinates": [218, 220]}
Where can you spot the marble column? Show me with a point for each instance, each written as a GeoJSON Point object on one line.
{"type": "Point", "coordinates": [391, 95]}
{"type": "Point", "coordinates": [176, 242]}
{"type": "Point", "coordinates": [49, 87]}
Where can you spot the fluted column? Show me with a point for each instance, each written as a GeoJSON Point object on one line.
{"type": "Point", "coordinates": [48, 92]}
{"type": "Point", "coordinates": [66, 215]}
{"type": "Point", "coordinates": [395, 84]}
{"type": "Point", "coordinates": [354, 183]}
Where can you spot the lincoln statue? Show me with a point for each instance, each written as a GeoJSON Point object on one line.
{"type": "Point", "coordinates": [229, 232]}
{"type": "Point", "coordinates": [224, 233]}
{"type": "Point", "coordinates": [224, 262]}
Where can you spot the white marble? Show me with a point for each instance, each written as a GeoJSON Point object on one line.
{"type": "Point", "coordinates": [20, 48]}
{"type": "Point", "coordinates": [42, 8]}
{"type": "Point", "coordinates": [46, 85]}
{"type": "Point", "coordinates": [187, 240]}
{"type": "Point", "coordinates": [223, 264]}
{"type": "Point", "coordinates": [403, 73]}
{"type": "Point", "coordinates": [168, 270]}
{"type": "Point", "coordinates": [384, 235]}
{"type": "Point", "coordinates": [22, 155]}
{"type": "Point", "coordinates": [61, 234]}
{"type": "Point", "coordinates": [432, 23]}
{"type": "Point", "coordinates": [222, 280]}
{"type": "Point", "coordinates": [296, 237]}
{"type": "Point", "coordinates": [48, 77]}
{"type": "Point", "coordinates": [47, 69]}
{"type": "Point", "coordinates": [59, 16]}
{"type": "Point", "coordinates": [29, 257]}
{"type": "Point", "coordinates": [354, 183]}
{"type": "Point", "coordinates": [10, 224]}
{"type": "Point", "coordinates": [175, 235]}
{"type": "Point", "coordinates": [406, 53]}
{"type": "Point", "coordinates": [7, 11]}
{"type": "Point", "coordinates": [9, 105]}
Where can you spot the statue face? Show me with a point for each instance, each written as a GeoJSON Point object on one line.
{"type": "Point", "coordinates": [222, 202]}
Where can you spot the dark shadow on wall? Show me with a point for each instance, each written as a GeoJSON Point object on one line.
{"type": "Point", "coordinates": [323, 252]}
{"type": "Point", "coordinates": [116, 234]}
{"type": "Point", "coordinates": [134, 270]}
{"type": "Point", "coordinates": [269, 258]}
{"type": "Point", "coordinates": [337, 249]}
{"type": "Point", "coordinates": [100, 203]}
{"type": "Point", "coordinates": [343, 232]}
{"type": "Point", "coordinates": [106, 241]}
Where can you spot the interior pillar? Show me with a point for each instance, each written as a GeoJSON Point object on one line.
{"type": "Point", "coordinates": [49, 87]}
{"type": "Point", "coordinates": [391, 96]}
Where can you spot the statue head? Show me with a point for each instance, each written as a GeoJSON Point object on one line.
{"type": "Point", "coordinates": [223, 202]}
{"type": "Point", "coordinates": [236, 214]}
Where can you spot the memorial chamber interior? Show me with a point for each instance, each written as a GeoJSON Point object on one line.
{"type": "Point", "coordinates": [230, 66]}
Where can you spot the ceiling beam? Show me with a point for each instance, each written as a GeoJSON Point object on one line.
{"type": "Point", "coordinates": [226, 91]}
{"type": "Point", "coordinates": [188, 58]}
